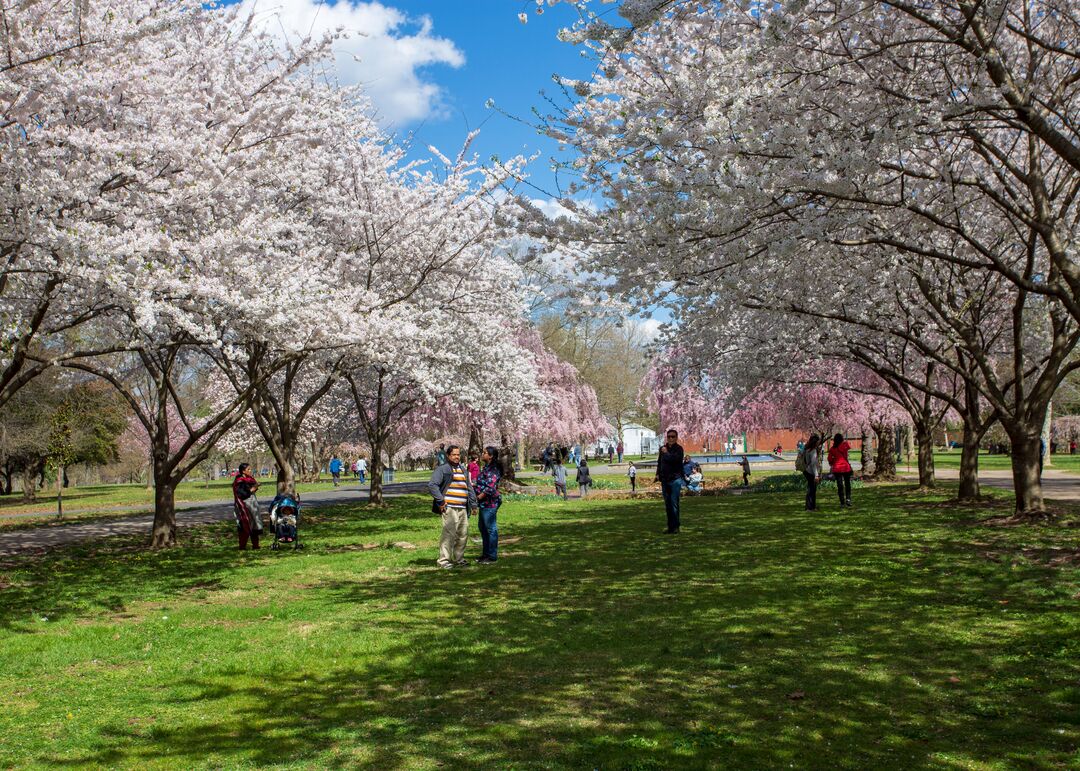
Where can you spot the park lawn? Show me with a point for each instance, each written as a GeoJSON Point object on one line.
{"type": "Point", "coordinates": [111, 500]}
{"type": "Point", "coordinates": [899, 633]}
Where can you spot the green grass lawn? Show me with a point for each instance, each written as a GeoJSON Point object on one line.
{"type": "Point", "coordinates": [108, 500]}
{"type": "Point", "coordinates": [897, 634]}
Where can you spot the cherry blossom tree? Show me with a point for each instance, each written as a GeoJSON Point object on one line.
{"type": "Point", "coordinates": [757, 145]}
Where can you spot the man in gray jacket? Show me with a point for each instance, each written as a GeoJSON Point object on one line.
{"type": "Point", "coordinates": [453, 495]}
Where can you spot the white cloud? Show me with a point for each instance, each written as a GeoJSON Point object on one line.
{"type": "Point", "coordinates": [649, 329]}
{"type": "Point", "coordinates": [385, 53]}
{"type": "Point", "coordinates": [553, 209]}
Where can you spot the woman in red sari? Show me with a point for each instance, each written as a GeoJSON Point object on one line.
{"type": "Point", "coordinates": [246, 507]}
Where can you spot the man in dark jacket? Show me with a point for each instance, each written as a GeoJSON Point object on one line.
{"type": "Point", "coordinates": [669, 473]}
{"type": "Point", "coordinates": [453, 496]}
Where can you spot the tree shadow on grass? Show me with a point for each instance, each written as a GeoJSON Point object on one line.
{"type": "Point", "coordinates": [109, 573]}
{"type": "Point", "coordinates": [755, 639]}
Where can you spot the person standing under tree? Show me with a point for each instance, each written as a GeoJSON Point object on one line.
{"type": "Point", "coordinates": [453, 498]}
{"type": "Point", "coordinates": [840, 467]}
{"type": "Point", "coordinates": [489, 499]}
{"type": "Point", "coordinates": [559, 473]}
{"type": "Point", "coordinates": [632, 473]}
{"type": "Point", "coordinates": [810, 461]}
{"type": "Point", "coordinates": [246, 507]}
{"type": "Point", "coordinates": [669, 473]}
{"type": "Point", "coordinates": [619, 450]}
{"type": "Point", "coordinates": [745, 463]}
{"type": "Point", "coordinates": [335, 470]}
{"type": "Point", "coordinates": [583, 478]}
{"type": "Point", "coordinates": [361, 469]}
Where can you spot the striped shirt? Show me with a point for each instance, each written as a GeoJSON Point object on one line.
{"type": "Point", "coordinates": [457, 494]}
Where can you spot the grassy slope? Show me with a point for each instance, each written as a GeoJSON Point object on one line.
{"type": "Point", "coordinates": [762, 636]}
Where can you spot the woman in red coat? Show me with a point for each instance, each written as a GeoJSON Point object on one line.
{"type": "Point", "coordinates": [841, 468]}
{"type": "Point", "coordinates": [246, 507]}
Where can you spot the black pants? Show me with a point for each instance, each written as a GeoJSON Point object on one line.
{"type": "Point", "coordinates": [633, 484]}
{"type": "Point", "coordinates": [811, 491]}
{"type": "Point", "coordinates": [843, 486]}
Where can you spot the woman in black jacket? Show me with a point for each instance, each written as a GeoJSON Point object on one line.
{"type": "Point", "coordinates": [583, 478]}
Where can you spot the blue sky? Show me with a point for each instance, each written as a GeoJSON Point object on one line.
{"type": "Point", "coordinates": [430, 66]}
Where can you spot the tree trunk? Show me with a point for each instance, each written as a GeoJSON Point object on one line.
{"type": "Point", "coordinates": [969, 465]}
{"type": "Point", "coordinates": [1025, 468]}
{"type": "Point", "coordinates": [885, 462]}
{"type": "Point", "coordinates": [163, 534]}
{"type": "Point", "coordinates": [506, 459]}
{"type": "Point", "coordinates": [150, 475]}
{"type": "Point", "coordinates": [375, 488]}
{"type": "Point", "coordinates": [924, 440]}
{"type": "Point", "coordinates": [286, 479]}
{"type": "Point", "coordinates": [29, 488]}
{"type": "Point", "coordinates": [865, 454]}
{"type": "Point", "coordinates": [476, 440]}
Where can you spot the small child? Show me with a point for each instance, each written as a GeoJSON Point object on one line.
{"type": "Point", "coordinates": [632, 473]}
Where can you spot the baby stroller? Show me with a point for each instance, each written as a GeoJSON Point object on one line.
{"type": "Point", "coordinates": [285, 518]}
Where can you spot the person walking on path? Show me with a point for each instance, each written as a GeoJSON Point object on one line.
{"type": "Point", "coordinates": [619, 451]}
{"type": "Point", "coordinates": [610, 454]}
{"type": "Point", "coordinates": [559, 474]}
{"type": "Point", "coordinates": [452, 497]}
{"type": "Point", "coordinates": [489, 500]}
{"type": "Point", "coordinates": [583, 478]}
{"type": "Point", "coordinates": [335, 470]}
{"type": "Point", "coordinates": [632, 473]}
{"type": "Point", "coordinates": [745, 463]}
{"type": "Point", "coordinates": [811, 469]}
{"type": "Point", "coordinates": [840, 467]}
{"type": "Point", "coordinates": [246, 507]}
{"type": "Point", "coordinates": [669, 473]}
{"type": "Point", "coordinates": [361, 469]}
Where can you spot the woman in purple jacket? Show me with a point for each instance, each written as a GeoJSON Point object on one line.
{"type": "Point", "coordinates": [487, 493]}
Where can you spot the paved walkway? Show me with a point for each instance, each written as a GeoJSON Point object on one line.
{"type": "Point", "coordinates": [41, 539]}
{"type": "Point", "coordinates": [1057, 485]}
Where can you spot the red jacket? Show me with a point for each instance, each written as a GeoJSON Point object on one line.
{"type": "Point", "coordinates": [838, 462]}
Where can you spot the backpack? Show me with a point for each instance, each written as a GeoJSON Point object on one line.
{"type": "Point", "coordinates": [800, 461]}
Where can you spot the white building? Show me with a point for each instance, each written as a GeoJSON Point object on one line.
{"type": "Point", "coordinates": [637, 440]}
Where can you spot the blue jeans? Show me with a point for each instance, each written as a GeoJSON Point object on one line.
{"type": "Point", "coordinates": [671, 491]}
{"type": "Point", "coordinates": [489, 532]}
